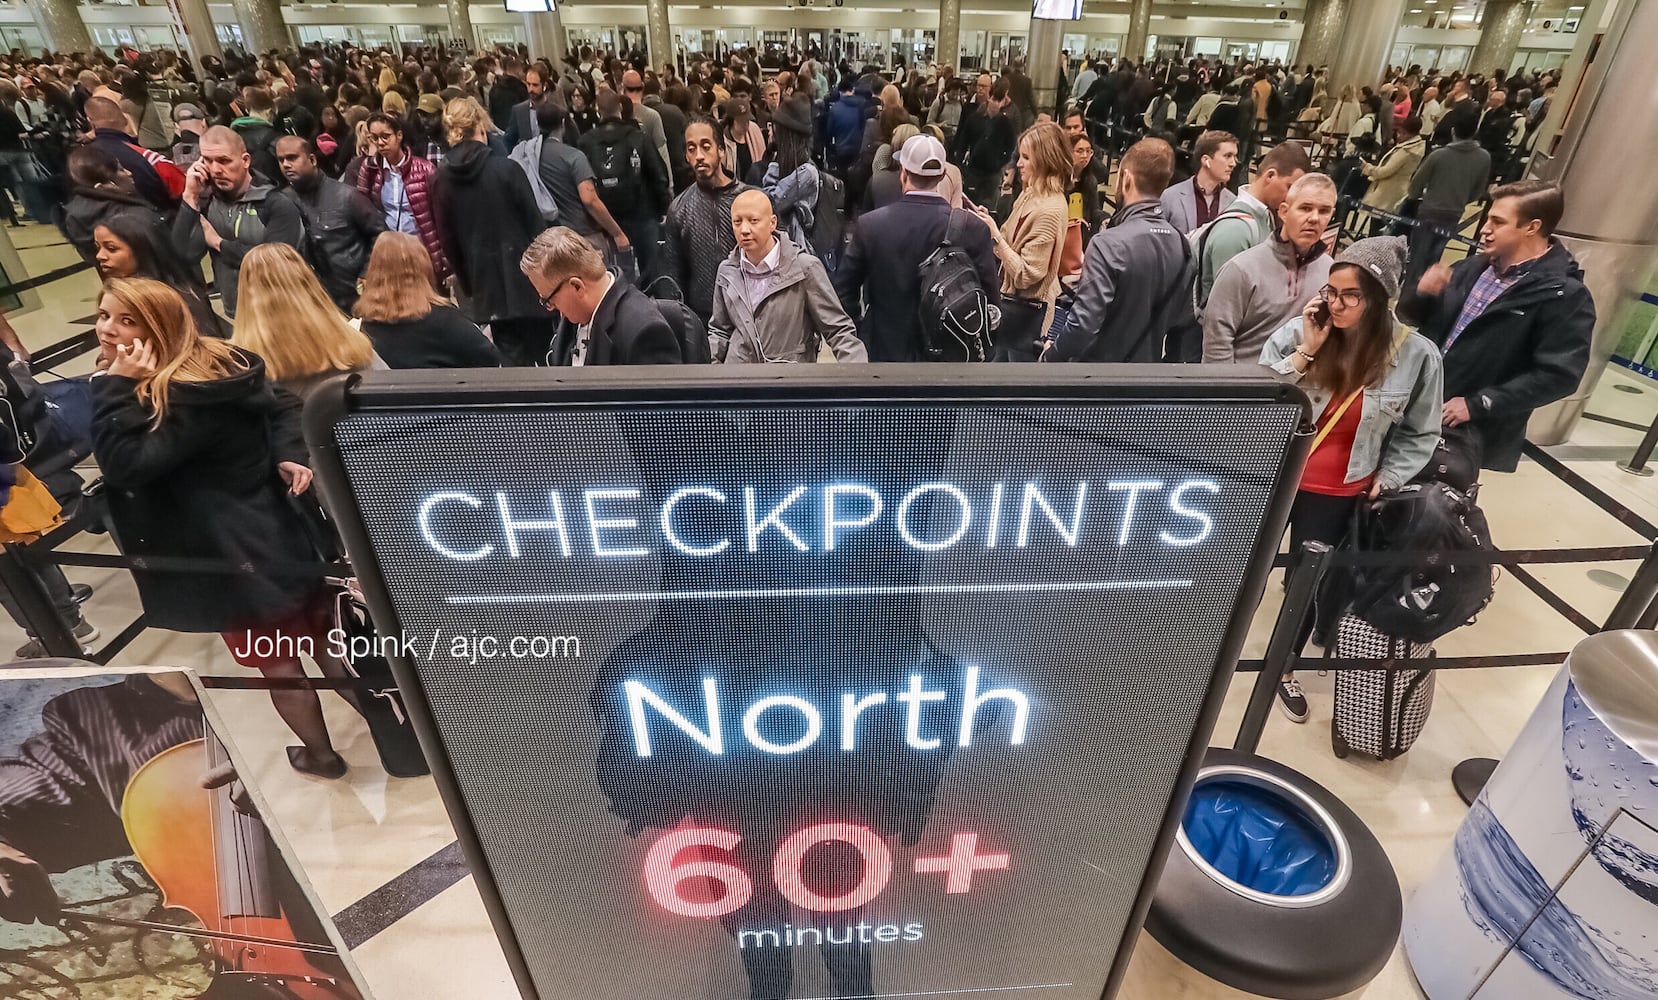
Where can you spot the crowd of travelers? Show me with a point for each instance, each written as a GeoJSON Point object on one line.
{"type": "Point", "coordinates": [263, 223]}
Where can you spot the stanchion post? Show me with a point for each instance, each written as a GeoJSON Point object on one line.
{"type": "Point", "coordinates": [34, 604]}
{"type": "Point", "coordinates": [1284, 646]}
{"type": "Point", "coordinates": [1637, 462]}
{"type": "Point", "coordinates": [1636, 604]}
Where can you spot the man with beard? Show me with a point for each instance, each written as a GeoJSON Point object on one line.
{"type": "Point", "coordinates": [341, 225]}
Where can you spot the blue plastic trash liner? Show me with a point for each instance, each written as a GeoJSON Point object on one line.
{"type": "Point", "coordinates": [1259, 838]}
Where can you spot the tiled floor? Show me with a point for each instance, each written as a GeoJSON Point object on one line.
{"type": "Point", "coordinates": [357, 834]}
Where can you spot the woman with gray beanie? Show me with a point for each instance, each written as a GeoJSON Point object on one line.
{"type": "Point", "coordinates": [1376, 390]}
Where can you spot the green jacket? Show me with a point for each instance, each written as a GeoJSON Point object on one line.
{"type": "Point", "coordinates": [1229, 236]}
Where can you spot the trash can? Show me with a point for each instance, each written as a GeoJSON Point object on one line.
{"type": "Point", "coordinates": [1274, 888]}
{"type": "Point", "coordinates": [1550, 888]}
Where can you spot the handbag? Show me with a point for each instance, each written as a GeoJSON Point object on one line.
{"type": "Point", "coordinates": [1070, 259]}
{"type": "Point", "coordinates": [1021, 325]}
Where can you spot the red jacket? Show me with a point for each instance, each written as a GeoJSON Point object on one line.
{"type": "Point", "coordinates": [418, 175]}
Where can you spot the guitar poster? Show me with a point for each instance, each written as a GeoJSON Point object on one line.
{"type": "Point", "coordinates": [133, 862]}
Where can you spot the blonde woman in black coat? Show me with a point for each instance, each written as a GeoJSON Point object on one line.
{"type": "Point", "coordinates": [197, 450]}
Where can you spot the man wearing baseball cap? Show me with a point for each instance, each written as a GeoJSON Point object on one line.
{"type": "Point", "coordinates": [191, 122]}
{"type": "Point", "coordinates": [879, 281]}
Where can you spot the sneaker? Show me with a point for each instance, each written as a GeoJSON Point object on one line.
{"type": "Point", "coordinates": [85, 632]}
{"type": "Point", "coordinates": [1292, 700]}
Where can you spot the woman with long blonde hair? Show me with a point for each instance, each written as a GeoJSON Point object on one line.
{"type": "Point", "coordinates": [284, 316]}
{"type": "Point", "coordinates": [411, 324]}
{"type": "Point", "coordinates": [197, 449]}
{"type": "Point", "coordinates": [1032, 241]}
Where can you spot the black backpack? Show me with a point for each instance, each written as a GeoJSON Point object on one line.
{"type": "Point", "coordinates": [22, 410]}
{"type": "Point", "coordinates": [618, 172]}
{"type": "Point", "coordinates": [686, 324]}
{"type": "Point", "coordinates": [1430, 595]}
{"type": "Point", "coordinates": [953, 310]}
{"type": "Point", "coordinates": [829, 219]}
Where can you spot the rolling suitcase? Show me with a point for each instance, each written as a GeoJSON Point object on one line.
{"type": "Point", "coordinates": [1379, 713]}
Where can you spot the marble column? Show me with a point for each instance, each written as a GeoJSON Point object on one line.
{"type": "Point", "coordinates": [1042, 59]}
{"type": "Point", "coordinates": [194, 23]}
{"type": "Point", "coordinates": [1500, 31]}
{"type": "Point", "coordinates": [659, 36]}
{"type": "Point", "coordinates": [460, 23]}
{"type": "Point", "coordinates": [546, 36]}
{"type": "Point", "coordinates": [1366, 42]}
{"type": "Point", "coordinates": [1321, 28]}
{"type": "Point", "coordinates": [1610, 208]}
{"type": "Point", "coordinates": [947, 50]}
{"type": "Point", "coordinates": [1139, 30]}
{"type": "Point", "coordinates": [60, 22]}
{"type": "Point", "coordinates": [263, 28]}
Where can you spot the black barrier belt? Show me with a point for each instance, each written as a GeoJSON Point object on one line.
{"type": "Point", "coordinates": [1555, 601]}
{"type": "Point", "coordinates": [29, 284]}
{"type": "Point", "coordinates": [186, 564]}
{"type": "Point", "coordinates": [1594, 494]}
{"type": "Point", "coordinates": [1351, 204]}
{"type": "Point", "coordinates": [401, 896]}
{"type": "Point", "coordinates": [1436, 663]}
{"type": "Point", "coordinates": [1615, 422]}
{"type": "Point", "coordinates": [1488, 557]}
{"type": "Point", "coordinates": [224, 682]}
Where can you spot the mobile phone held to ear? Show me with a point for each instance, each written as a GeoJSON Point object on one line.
{"type": "Point", "coordinates": [1321, 313]}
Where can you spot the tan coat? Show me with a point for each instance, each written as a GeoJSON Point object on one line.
{"type": "Point", "coordinates": [1033, 241]}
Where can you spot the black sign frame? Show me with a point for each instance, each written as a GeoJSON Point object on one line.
{"type": "Point", "coordinates": [748, 385]}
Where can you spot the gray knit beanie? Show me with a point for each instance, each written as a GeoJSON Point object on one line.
{"type": "Point", "coordinates": [1382, 256]}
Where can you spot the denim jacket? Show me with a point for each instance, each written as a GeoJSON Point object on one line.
{"type": "Point", "coordinates": [1400, 423]}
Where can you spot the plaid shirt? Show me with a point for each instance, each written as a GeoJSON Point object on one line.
{"type": "Point", "coordinates": [1490, 285]}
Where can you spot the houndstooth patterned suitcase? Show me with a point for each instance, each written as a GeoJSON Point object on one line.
{"type": "Point", "coordinates": [1378, 712]}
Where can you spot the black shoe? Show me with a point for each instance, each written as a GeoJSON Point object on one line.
{"type": "Point", "coordinates": [1292, 700]}
{"type": "Point", "coordinates": [85, 632]}
{"type": "Point", "coordinates": [303, 761]}
{"type": "Point", "coordinates": [82, 592]}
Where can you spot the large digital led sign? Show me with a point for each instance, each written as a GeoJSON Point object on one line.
{"type": "Point", "coordinates": [873, 681]}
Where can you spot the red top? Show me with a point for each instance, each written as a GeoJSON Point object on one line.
{"type": "Point", "coordinates": [1326, 470]}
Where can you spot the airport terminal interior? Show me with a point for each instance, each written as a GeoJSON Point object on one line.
{"type": "Point", "coordinates": [511, 874]}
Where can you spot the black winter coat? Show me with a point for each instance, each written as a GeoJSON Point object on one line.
{"type": "Point", "coordinates": [627, 329]}
{"type": "Point", "coordinates": [1527, 349]}
{"type": "Point", "coordinates": [341, 225]}
{"type": "Point", "coordinates": [205, 485]}
{"type": "Point", "coordinates": [487, 218]}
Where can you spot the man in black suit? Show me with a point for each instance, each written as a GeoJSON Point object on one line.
{"type": "Point", "coordinates": [889, 246]}
{"type": "Point", "coordinates": [521, 123]}
{"type": "Point", "coordinates": [605, 321]}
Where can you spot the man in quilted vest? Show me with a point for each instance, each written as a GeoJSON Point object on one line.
{"type": "Point", "coordinates": [400, 185]}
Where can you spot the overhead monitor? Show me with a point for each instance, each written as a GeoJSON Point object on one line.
{"type": "Point", "coordinates": [836, 681]}
{"type": "Point", "coordinates": [1057, 10]}
{"type": "Point", "coordinates": [529, 6]}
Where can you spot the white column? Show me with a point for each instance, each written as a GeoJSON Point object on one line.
{"type": "Point", "coordinates": [1042, 58]}
{"type": "Point", "coordinates": [1500, 29]}
{"type": "Point", "coordinates": [460, 22]}
{"type": "Point", "coordinates": [546, 36]}
{"type": "Point", "coordinates": [1365, 44]}
{"type": "Point", "coordinates": [947, 50]}
{"type": "Point", "coordinates": [1613, 123]}
{"type": "Point", "coordinates": [61, 23]}
{"type": "Point", "coordinates": [1139, 30]}
{"type": "Point", "coordinates": [263, 28]}
{"type": "Point", "coordinates": [659, 38]}
{"type": "Point", "coordinates": [194, 23]}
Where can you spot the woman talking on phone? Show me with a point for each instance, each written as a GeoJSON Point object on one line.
{"type": "Point", "coordinates": [1376, 392]}
{"type": "Point", "coordinates": [197, 450]}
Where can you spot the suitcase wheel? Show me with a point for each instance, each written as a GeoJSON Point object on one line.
{"type": "Point", "coordinates": [1338, 744]}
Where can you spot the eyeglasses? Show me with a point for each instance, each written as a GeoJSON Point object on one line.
{"type": "Point", "coordinates": [547, 300]}
{"type": "Point", "coordinates": [1352, 298]}
{"type": "Point", "coordinates": [381, 138]}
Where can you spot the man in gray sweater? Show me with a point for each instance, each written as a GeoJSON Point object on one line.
{"type": "Point", "coordinates": [1449, 178]}
{"type": "Point", "coordinates": [1264, 287]}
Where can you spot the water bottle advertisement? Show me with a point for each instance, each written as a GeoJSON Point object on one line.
{"type": "Point", "coordinates": [819, 693]}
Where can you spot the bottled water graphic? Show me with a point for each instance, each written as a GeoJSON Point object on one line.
{"type": "Point", "coordinates": [1606, 778]}
{"type": "Point", "coordinates": [1509, 900]}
